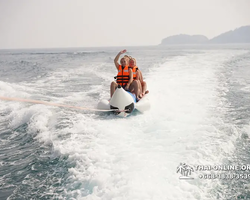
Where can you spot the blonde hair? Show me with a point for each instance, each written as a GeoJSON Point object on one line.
{"type": "Point", "coordinates": [133, 60]}
{"type": "Point", "coordinates": [127, 56]}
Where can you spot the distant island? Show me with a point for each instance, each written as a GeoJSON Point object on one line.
{"type": "Point", "coordinates": [185, 39]}
{"type": "Point", "coordinates": [239, 35]}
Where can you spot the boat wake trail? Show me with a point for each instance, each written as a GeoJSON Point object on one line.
{"type": "Point", "coordinates": [194, 119]}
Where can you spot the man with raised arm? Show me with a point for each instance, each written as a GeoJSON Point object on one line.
{"type": "Point", "coordinates": [124, 76]}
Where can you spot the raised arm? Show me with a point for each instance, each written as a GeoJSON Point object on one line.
{"type": "Point", "coordinates": [117, 58]}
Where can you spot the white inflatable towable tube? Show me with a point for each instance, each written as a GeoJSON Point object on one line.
{"type": "Point", "coordinates": [124, 102]}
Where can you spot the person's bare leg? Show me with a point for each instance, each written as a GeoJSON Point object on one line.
{"type": "Point", "coordinates": [139, 79]}
{"type": "Point", "coordinates": [144, 88]}
{"type": "Point", "coordinates": [113, 87]}
{"type": "Point", "coordinates": [143, 84]}
{"type": "Point", "coordinates": [132, 87]}
{"type": "Point", "coordinates": [138, 89]}
{"type": "Point", "coordinates": [139, 76]}
{"type": "Point", "coordinates": [135, 88]}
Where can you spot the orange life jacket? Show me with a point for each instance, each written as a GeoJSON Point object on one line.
{"type": "Point", "coordinates": [134, 70]}
{"type": "Point", "coordinates": [122, 77]}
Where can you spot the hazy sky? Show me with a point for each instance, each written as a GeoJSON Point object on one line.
{"type": "Point", "coordinates": [85, 23]}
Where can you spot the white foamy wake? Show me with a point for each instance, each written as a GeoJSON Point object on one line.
{"type": "Point", "coordinates": [137, 157]}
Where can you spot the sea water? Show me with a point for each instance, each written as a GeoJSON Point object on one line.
{"type": "Point", "coordinates": [200, 116]}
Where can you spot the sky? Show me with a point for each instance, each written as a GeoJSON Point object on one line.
{"type": "Point", "coordinates": [93, 23]}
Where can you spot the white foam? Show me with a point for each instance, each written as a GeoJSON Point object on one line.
{"type": "Point", "coordinates": [136, 158]}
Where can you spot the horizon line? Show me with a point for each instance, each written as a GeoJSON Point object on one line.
{"type": "Point", "coordinates": [27, 48]}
